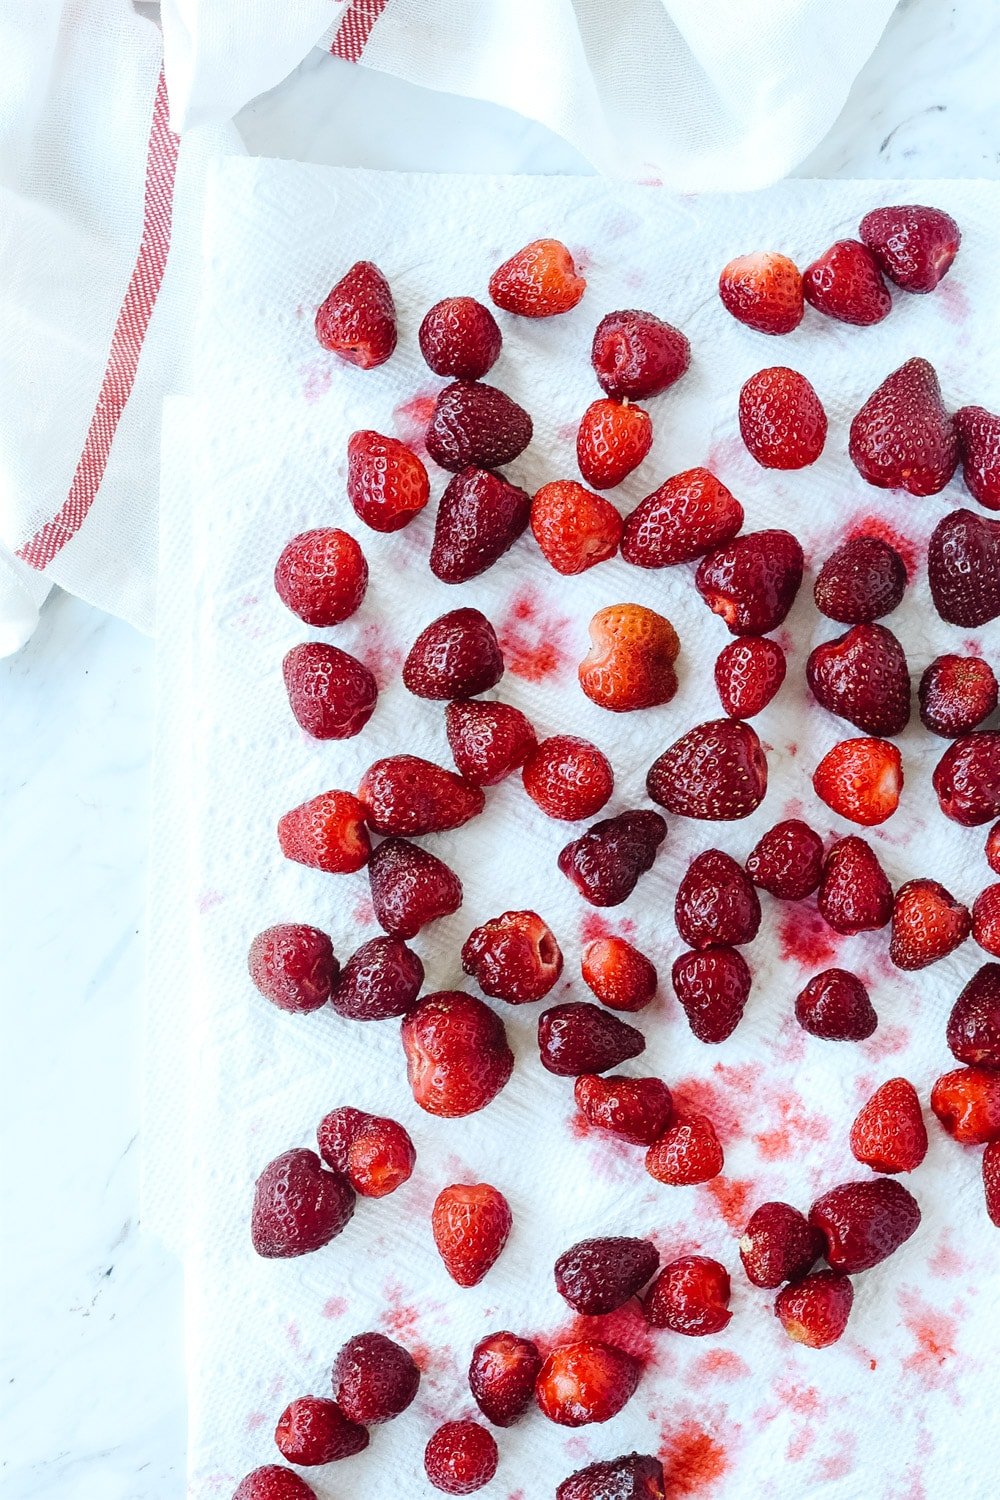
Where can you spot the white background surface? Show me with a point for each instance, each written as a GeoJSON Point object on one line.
{"type": "Point", "coordinates": [89, 1305]}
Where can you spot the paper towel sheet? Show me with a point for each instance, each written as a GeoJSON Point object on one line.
{"type": "Point", "coordinates": [903, 1405]}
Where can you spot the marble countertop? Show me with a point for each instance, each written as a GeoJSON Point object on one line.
{"type": "Point", "coordinates": [91, 1306]}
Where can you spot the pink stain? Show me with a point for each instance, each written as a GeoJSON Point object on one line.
{"type": "Point", "coordinates": [946, 1260]}
{"type": "Point", "coordinates": [886, 1042]}
{"type": "Point", "coordinates": [839, 1464]}
{"type": "Point", "coordinates": [934, 1336]}
{"type": "Point", "coordinates": [704, 1096]}
{"type": "Point", "coordinates": [363, 912]}
{"type": "Point", "coordinates": [380, 653]}
{"type": "Point", "coordinates": [411, 419]}
{"type": "Point", "coordinates": [805, 937]}
{"type": "Point", "coordinates": [532, 641]}
{"type": "Point", "coordinates": [334, 1307]}
{"type": "Point", "coordinates": [594, 926]}
{"type": "Point", "coordinates": [693, 1459]}
{"type": "Point", "coordinates": [208, 900]}
{"type": "Point", "coordinates": [255, 1419]}
{"type": "Point", "coordinates": [716, 1365]}
{"type": "Point", "coordinates": [732, 1197]}
{"type": "Point", "coordinates": [317, 378]}
{"type": "Point", "coordinates": [796, 1125]}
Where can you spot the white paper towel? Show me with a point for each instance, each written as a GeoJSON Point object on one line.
{"type": "Point", "coordinates": [258, 454]}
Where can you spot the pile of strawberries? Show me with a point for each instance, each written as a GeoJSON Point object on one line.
{"type": "Point", "coordinates": [456, 1049]}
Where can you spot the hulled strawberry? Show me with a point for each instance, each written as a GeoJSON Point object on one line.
{"type": "Point", "coordinates": [387, 483]}
{"type": "Point", "coordinates": [717, 771]}
{"type": "Point", "coordinates": [864, 1223]}
{"type": "Point", "coordinates": [327, 833]}
{"type": "Point", "coordinates": [861, 780]}
{"type": "Point", "coordinates": [630, 664]}
{"type": "Point", "coordinates": [927, 924]}
{"type": "Point", "coordinates": [584, 1382]}
{"type": "Point", "coordinates": [864, 678]}
{"type": "Point", "coordinates": [716, 903]}
{"type": "Point", "coordinates": [479, 517]}
{"type": "Point", "coordinates": [782, 421]}
{"type": "Point", "coordinates": [538, 281]}
{"type": "Point", "coordinates": [457, 1055]}
{"type": "Point", "coordinates": [967, 779]}
{"type": "Point", "coordinates": [889, 1134]}
{"type": "Point", "coordinates": [846, 283]}
{"type": "Point", "coordinates": [688, 1152]}
{"type": "Point", "coordinates": [914, 245]}
{"type": "Point", "coordinates": [455, 656]}
{"type": "Point", "coordinates": [854, 893]}
{"type": "Point", "coordinates": [903, 437]}
{"type": "Point", "coordinates": [787, 861]}
{"type": "Point", "coordinates": [574, 528]}
{"type": "Point", "coordinates": [748, 673]}
{"type": "Point", "coordinates": [963, 569]}
{"type": "Point", "coordinates": [489, 741]}
{"type": "Point", "coordinates": [470, 1224]}
{"type": "Point", "coordinates": [605, 862]}
{"type": "Point", "coordinates": [689, 515]}
{"type": "Point", "coordinates": [752, 582]}
{"type": "Point", "coordinates": [405, 794]}
{"type": "Point", "coordinates": [459, 338]}
{"type": "Point", "coordinates": [712, 986]}
{"type": "Point", "coordinates": [862, 580]}
{"type": "Point", "coordinates": [764, 291]}
{"type": "Point", "coordinates": [956, 693]}
{"type": "Point", "coordinates": [475, 425]}
{"type": "Point", "coordinates": [357, 319]}
{"type": "Point", "coordinates": [613, 439]}
{"type": "Point", "coordinates": [815, 1310]}
{"type": "Point", "coordinates": [637, 1110]}
{"type": "Point", "coordinates": [635, 354]}
{"type": "Point", "coordinates": [979, 444]}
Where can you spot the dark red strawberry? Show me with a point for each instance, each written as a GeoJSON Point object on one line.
{"type": "Point", "coordinates": [630, 664]}
{"type": "Point", "coordinates": [513, 957]}
{"type": "Point", "coordinates": [779, 1244]}
{"type": "Point", "coordinates": [313, 1430]}
{"type": "Point", "coordinates": [636, 354]}
{"type": "Point", "coordinates": [993, 849]}
{"type": "Point", "coordinates": [846, 283]}
{"type": "Point", "coordinates": [927, 924]}
{"type": "Point", "coordinates": [298, 1206]}
{"type": "Point", "coordinates": [957, 693]}
{"type": "Point", "coordinates": [686, 1153]}
{"type": "Point", "coordinates": [689, 515]}
{"type": "Point", "coordinates": [538, 281]}
{"type": "Point", "coordinates": [835, 1006]}
{"type": "Point", "coordinates": [336, 1132]}
{"type": "Point", "coordinates": [327, 833]}
{"type": "Point", "coordinates": [479, 517]}
{"type": "Point", "coordinates": [568, 777]}
{"type": "Point", "coordinates": [863, 677]}
{"type": "Point", "coordinates": [380, 1158]}
{"type": "Point", "coordinates": [861, 780]}
{"type": "Point", "coordinates": [382, 978]}
{"type": "Point", "coordinates": [690, 1295]}
{"type": "Point", "coordinates": [963, 568]}
{"type": "Point", "coordinates": [637, 1110]}
{"type": "Point", "coordinates": [455, 656]}
{"type": "Point", "coordinates": [713, 987]}
{"type": "Point", "coordinates": [717, 771]}
{"type": "Point", "coordinates": [967, 1102]}
{"type": "Point", "coordinates": [619, 975]}
{"type": "Point", "coordinates": [357, 319]}
{"type": "Point", "coordinates": [782, 420]}
{"type": "Point", "coordinates": [331, 693]}
{"type": "Point", "coordinates": [889, 1134]}
{"type": "Point", "coordinates": [386, 482]}
{"type": "Point", "coordinates": [294, 966]}
{"type": "Point", "coordinates": [854, 893]}
{"type": "Point", "coordinates": [764, 291]}
{"type": "Point", "coordinates": [459, 337]}
{"type": "Point", "coordinates": [862, 579]}
{"type": "Point", "coordinates": [979, 444]}
{"type": "Point", "coordinates": [585, 1382]}
{"type": "Point", "coordinates": [488, 740]}
{"type": "Point", "coordinates": [864, 1223]}
{"type": "Point", "coordinates": [748, 673]}
{"type": "Point", "coordinates": [752, 583]}
{"type": "Point", "coordinates": [474, 425]}
{"type": "Point", "coordinates": [407, 795]}
{"type": "Point", "coordinates": [636, 1476]}
{"type": "Point", "coordinates": [915, 246]}
{"type": "Point", "coordinates": [903, 437]}
{"type": "Point", "coordinates": [612, 440]}
{"type": "Point", "coordinates": [974, 1023]}
{"type": "Point", "coordinates": [580, 1038]}
{"type": "Point", "coordinates": [716, 903]}
{"type": "Point", "coordinates": [470, 1223]}
{"type": "Point", "coordinates": [460, 1457]}
{"type": "Point", "coordinates": [574, 528]}
{"type": "Point", "coordinates": [274, 1482]}
{"type": "Point", "coordinates": [457, 1055]}
{"type": "Point", "coordinates": [322, 576]}
{"type": "Point", "coordinates": [787, 861]}
{"type": "Point", "coordinates": [986, 920]}
{"type": "Point", "coordinates": [815, 1310]}
{"type": "Point", "coordinates": [410, 887]}
{"type": "Point", "coordinates": [599, 1275]}
{"type": "Point", "coordinates": [991, 1181]}
{"type": "Point", "coordinates": [967, 779]}
{"type": "Point", "coordinates": [374, 1378]}
{"type": "Point", "coordinates": [605, 862]}
{"type": "Point", "coordinates": [502, 1376]}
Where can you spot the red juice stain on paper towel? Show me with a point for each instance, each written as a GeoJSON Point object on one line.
{"type": "Point", "coordinates": [693, 1460]}
{"type": "Point", "coordinates": [531, 639]}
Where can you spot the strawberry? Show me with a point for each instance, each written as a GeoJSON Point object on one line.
{"type": "Point", "coordinates": [410, 887]}
{"type": "Point", "coordinates": [854, 893]}
{"type": "Point", "coordinates": [475, 425]}
{"type": "Point", "coordinates": [752, 583]}
{"type": "Point", "coordinates": [687, 1152]}
{"type": "Point", "coordinates": [574, 528]}
{"type": "Point", "coordinates": [380, 1158]}
{"type": "Point", "coordinates": [568, 777]}
{"type": "Point", "coordinates": [382, 978]}
{"type": "Point", "coordinates": [787, 861]}
{"type": "Point", "coordinates": [846, 283]}
{"type": "Point", "coordinates": [357, 320]}
{"type": "Point", "coordinates": [580, 1038]}
{"type": "Point", "coordinates": [689, 515]}
{"type": "Point", "coordinates": [779, 1244]}
{"type": "Point", "coordinates": [815, 1310]}
{"type": "Point", "coordinates": [927, 924]}
{"type": "Point", "coordinates": [862, 579]}
{"type": "Point", "coordinates": [861, 780]}
{"type": "Point", "coordinates": [986, 920]}
{"type": "Point", "coordinates": [716, 903]}
{"type": "Point", "coordinates": [408, 795]}
{"type": "Point", "coordinates": [630, 664]}
{"type": "Point", "coordinates": [914, 246]}
{"type": "Point", "coordinates": [963, 568]}
{"type": "Point", "coordinates": [374, 1379]}
{"type": "Point", "coordinates": [585, 1382]}
{"type": "Point", "coordinates": [457, 1055]}
{"type": "Point", "coordinates": [863, 677]}
{"type": "Point", "coordinates": [455, 656]}
{"type": "Point", "coordinates": [460, 1457]}
{"type": "Point", "coordinates": [331, 693]}
{"type": "Point", "coordinates": [479, 517]}
{"type": "Point", "coordinates": [637, 1110]}
{"type": "Point", "coordinates": [514, 957]}
{"type": "Point", "coordinates": [888, 1133]}
{"type": "Point", "coordinates": [619, 975]}
{"type": "Point", "coordinates": [748, 673]}
{"type": "Point", "coordinates": [967, 1102]}
{"type": "Point", "coordinates": [717, 771]}
{"type": "Point", "coordinates": [635, 354]}
{"type": "Point", "coordinates": [294, 966]}
{"type": "Point", "coordinates": [835, 1006]}
{"type": "Point", "coordinates": [979, 445]}
{"type": "Point", "coordinates": [470, 1224]}
{"type": "Point", "coordinates": [713, 987]}
{"type": "Point", "coordinates": [336, 1131]}
{"type": "Point", "coordinates": [967, 779]}
{"type": "Point", "coordinates": [613, 439]}
{"type": "Point", "coordinates": [460, 338]}
{"type": "Point", "coordinates": [690, 1295]}
{"type": "Point", "coordinates": [956, 694]}
{"type": "Point", "coordinates": [489, 741]}
{"type": "Point", "coordinates": [764, 291]}
{"type": "Point", "coordinates": [502, 1374]}
{"type": "Point", "coordinates": [327, 833]}
{"type": "Point", "coordinates": [538, 281]}
{"type": "Point", "coordinates": [605, 862]}
{"type": "Point", "coordinates": [903, 437]}
{"type": "Point", "coordinates": [782, 421]}
{"type": "Point", "coordinates": [992, 849]}
{"type": "Point", "coordinates": [273, 1482]}
{"type": "Point", "coordinates": [313, 1430]}
{"type": "Point", "coordinates": [298, 1206]}
{"type": "Point", "coordinates": [599, 1275]}
{"type": "Point", "coordinates": [991, 1181]}
{"type": "Point", "coordinates": [387, 483]}
{"type": "Point", "coordinates": [864, 1223]}
{"type": "Point", "coordinates": [636, 1476]}
{"type": "Point", "coordinates": [322, 576]}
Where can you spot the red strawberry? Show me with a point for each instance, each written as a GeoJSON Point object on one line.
{"type": "Point", "coordinates": [748, 673]}
{"type": "Point", "coordinates": [846, 283]}
{"type": "Point", "coordinates": [993, 848]}
{"type": "Point", "coordinates": [956, 694]}
{"type": "Point", "coordinates": [294, 966]}
{"type": "Point", "coordinates": [407, 795]}
{"type": "Point", "coordinates": [470, 1224]}
{"type": "Point", "coordinates": [488, 740]}
{"type": "Point", "coordinates": [374, 1378]}
{"type": "Point", "coordinates": [863, 677]}
{"type": "Point", "coordinates": [915, 246]}
{"type": "Point", "coordinates": [574, 528]}
{"type": "Point", "coordinates": [538, 281]}
{"type": "Point", "coordinates": [854, 893]}
{"type": "Point", "coordinates": [273, 1482]}
{"type": "Point", "coordinates": [686, 1153]}
{"type": "Point", "coordinates": [581, 1038]}
{"type": "Point", "coordinates": [599, 1275]}
{"type": "Point", "coordinates": [475, 425]}
{"type": "Point", "coordinates": [716, 903]}
{"type": "Point", "coordinates": [605, 862]}
{"type": "Point", "coordinates": [502, 1376]}
{"type": "Point", "coordinates": [380, 1158]}
{"type": "Point", "coordinates": [298, 1206]}
{"type": "Point", "coordinates": [460, 1457]}
{"type": "Point", "coordinates": [313, 1430]}
{"type": "Point", "coordinates": [459, 337]}
{"type": "Point", "coordinates": [991, 1181]}
{"type": "Point", "coordinates": [764, 291]}
{"type": "Point", "coordinates": [567, 777]}
{"type": "Point", "coordinates": [889, 1134]}
{"type": "Point", "coordinates": [637, 1110]}
{"type": "Point", "coordinates": [585, 1382]}
{"type": "Point", "coordinates": [327, 833]}
{"type": "Point", "coordinates": [861, 780]}
{"type": "Point", "coordinates": [815, 1310]}
{"type": "Point", "coordinates": [967, 779]}
{"type": "Point", "coordinates": [331, 693]}
{"type": "Point", "coordinates": [979, 444]}
{"type": "Point", "coordinates": [514, 957]}
{"type": "Point", "coordinates": [713, 987]}
{"type": "Point", "coordinates": [903, 437]}
{"type": "Point", "coordinates": [986, 920]}
{"type": "Point", "coordinates": [963, 568]}
{"type": "Point", "coordinates": [967, 1102]}
{"type": "Point", "coordinates": [386, 482]}
{"type": "Point", "coordinates": [637, 1476]}
{"type": "Point", "coordinates": [336, 1131]}
{"type": "Point", "coordinates": [457, 1055]}
{"type": "Point", "coordinates": [322, 576]}
{"type": "Point", "coordinates": [862, 579]}
{"type": "Point", "coordinates": [357, 321]}
{"type": "Point", "coordinates": [690, 1295]}
{"type": "Point", "coordinates": [782, 420]}
{"type": "Point", "coordinates": [753, 582]}
{"type": "Point", "coordinates": [410, 887]}
{"type": "Point", "coordinates": [455, 656]}
{"type": "Point", "coordinates": [382, 978]}
{"type": "Point", "coordinates": [864, 1223]}
{"type": "Point", "coordinates": [689, 515]}
{"type": "Point", "coordinates": [779, 1244]}
{"type": "Point", "coordinates": [619, 975]}
{"type": "Point", "coordinates": [787, 861]}
{"type": "Point", "coordinates": [612, 440]}
{"type": "Point", "coordinates": [717, 771]}
{"type": "Point", "coordinates": [835, 1006]}
{"type": "Point", "coordinates": [636, 354]}
{"type": "Point", "coordinates": [927, 924]}
{"type": "Point", "coordinates": [479, 517]}
{"type": "Point", "coordinates": [630, 664]}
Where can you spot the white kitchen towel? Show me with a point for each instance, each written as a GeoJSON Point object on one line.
{"type": "Point", "coordinates": [257, 454]}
